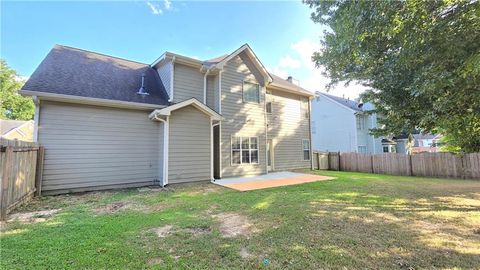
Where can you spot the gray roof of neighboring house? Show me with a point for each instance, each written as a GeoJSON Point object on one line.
{"type": "Point", "coordinates": [71, 71]}
{"type": "Point", "coordinates": [8, 125]}
{"type": "Point", "coordinates": [424, 136]}
{"type": "Point", "coordinates": [352, 104]}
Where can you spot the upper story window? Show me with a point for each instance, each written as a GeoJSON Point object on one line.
{"type": "Point", "coordinates": [268, 107]}
{"type": "Point", "coordinates": [360, 123]}
{"type": "Point", "coordinates": [304, 107]}
{"type": "Point", "coordinates": [251, 92]}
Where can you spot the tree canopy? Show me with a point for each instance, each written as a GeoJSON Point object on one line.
{"type": "Point", "coordinates": [419, 59]}
{"type": "Point", "coordinates": [13, 105]}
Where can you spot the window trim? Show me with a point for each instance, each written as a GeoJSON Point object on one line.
{"type": "Point", "coordinates": [243, 91]}
{"type": "Point", "coordinates": [250, 149]}
{"type": "Point", "coordinates": [309, 150]}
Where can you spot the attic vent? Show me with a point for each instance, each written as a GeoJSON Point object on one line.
{"type": "Point", "coordinates": [142, 91]}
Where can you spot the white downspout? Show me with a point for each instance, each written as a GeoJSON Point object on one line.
{"type": "Point", "coordinates": [36, 117]}
{"type": "Point", "coordinates": [165, 148]}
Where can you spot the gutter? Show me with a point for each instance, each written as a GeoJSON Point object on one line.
{"type": "Point", "coordinates": [90, 100]}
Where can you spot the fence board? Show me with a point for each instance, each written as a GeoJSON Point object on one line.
{"type": "Point", "coordinates": [18, 163]}
{"type": "Point", "coordinates": [445, 165]}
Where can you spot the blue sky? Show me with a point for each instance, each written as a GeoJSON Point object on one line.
{"type": "Point", "coordinates": [281, 33]}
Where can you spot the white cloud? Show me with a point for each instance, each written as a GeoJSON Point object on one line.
{"type": "Point", "coordinates": [304, 70]}
{"type": "Point", "coordinates": [154, 8]}
{"type": "Point", "coordinates": [167, 4]}
{"type": "Point", "coordinates": [288, 62]}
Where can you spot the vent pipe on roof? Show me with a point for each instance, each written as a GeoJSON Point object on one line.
{"type": "Point", "coordinates": [142, 91]}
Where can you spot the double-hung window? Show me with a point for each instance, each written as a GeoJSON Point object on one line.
{"type": "Point", "coordinates": [306, 149]}
{"type": "Point", "coordinates": [251, 92]}
{"type": "Point", "coordinates": [244, 150]}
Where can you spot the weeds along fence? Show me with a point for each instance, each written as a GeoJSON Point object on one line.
{"type": "Point", "coordinates": [21, 164]}
{"type": "Point", "coordinates": [445, 165]}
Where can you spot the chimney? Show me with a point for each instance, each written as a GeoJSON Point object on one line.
{"type": "Point", "coordinates": [292, 80]}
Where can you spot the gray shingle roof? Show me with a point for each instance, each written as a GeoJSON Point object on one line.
{"type": "Point", "coordinates": [71, 71]}
{"type": "Point", "coordinates": [352, 104]}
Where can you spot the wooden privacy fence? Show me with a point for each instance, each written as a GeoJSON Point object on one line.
{"type": "Point", "coordinates": [446, 165]}
{"type": "Point", "coordinates": [20, 173]}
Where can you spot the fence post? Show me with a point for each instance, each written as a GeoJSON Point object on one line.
{"type": "Point", "coordinates": [39, 171]}
{"type": "Point", "coordinates": [411, 164]}
{"type": "Point", "coordinates": [6, 177]}
{"type": "Point", "coordinates": [373, 168]}
{"type": "Point", "coordinates": [318, 160]}
{"type": "Point", "coordinates": [339, 162]}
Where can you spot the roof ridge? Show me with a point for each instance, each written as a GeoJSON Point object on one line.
{"type": "Point", "coordinates": [98, 53]}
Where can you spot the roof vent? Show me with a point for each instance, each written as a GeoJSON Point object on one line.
{"type": "Point", "coordinates": [142, 91]}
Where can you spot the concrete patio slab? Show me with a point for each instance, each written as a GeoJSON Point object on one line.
{"type": "Point", "coordinates": [275, 179]}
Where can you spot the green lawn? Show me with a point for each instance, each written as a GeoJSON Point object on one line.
{"type": "Point", "coordinates": [355, 221]}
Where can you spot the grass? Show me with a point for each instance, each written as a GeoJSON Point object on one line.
{"type": "Point", "coordinates": [356, 221]}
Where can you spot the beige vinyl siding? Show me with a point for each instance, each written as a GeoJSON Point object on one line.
{"type": "Point", "coordinates": [211, 91]}
{"type": "Point", "coordinates": [189, 146]}
{"type": "Point", "coordinates": [89, 147]}
{"type": "Point", "coordinates": [165, 73]}
{"type": "Point", "coordinates": [188, 83]}
{"type": "Point", "coordinates": [288, 126]}
{"type": "Point", "coordinates": [241, 119]}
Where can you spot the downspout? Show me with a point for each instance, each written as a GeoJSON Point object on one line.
{"type": "Point", "coordinates": [36, 117]}
{"type": "Point", "coordinates": [220, 127]}
{"type": "Point", "coordinates": [310, 132]}
{"type": "Point", "coordinates": [266, 128]}
{"type": "Point", "coordinates": [165, 148]}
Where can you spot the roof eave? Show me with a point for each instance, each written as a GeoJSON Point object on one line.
{"type": "Point", "coordinates": [89, 100]}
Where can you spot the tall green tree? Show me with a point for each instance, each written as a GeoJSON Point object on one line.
{"type": "Point", "coordinates": [13, 105]}
{"type": "Point", "coordinates": [420, 60]}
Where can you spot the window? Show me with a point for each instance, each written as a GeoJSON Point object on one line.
{"type": "Point", "coordinates": [268, 107]}
{"type": "Point", "coordinates": [306, 149]}
{"type": "Point", "coordinates": [244, 150]}
{"type": "Point", "coordinates": [360, 123]}
{"type": "Point", "coordinates": [314, 127]}
{"type": "Point", "coordinates": [362, 149]}
{"type": "Point", "coordinates": [251, 92]}
{"type": "Point", "coordinates": [304, 107]}
{"type": "Point", "coordinates": [385, 149]}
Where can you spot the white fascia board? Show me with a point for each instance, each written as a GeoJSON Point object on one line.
{"type": "Point", "coordinates": [194, 102]}
{"type": "Point", "coordinates": [89, 100]}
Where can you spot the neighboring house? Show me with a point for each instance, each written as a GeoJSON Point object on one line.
{"type": "Point", "coordinates": [16, 130]}
{"type": "Point", "coordinates": [107, 122]}
{"type": "Point", "coordinates": [342, 125]}
{"type": "Point", "coordinates": [426, 143]}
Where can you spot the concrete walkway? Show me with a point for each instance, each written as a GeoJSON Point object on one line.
{"type": "Point", "coordinates": [275, 179]}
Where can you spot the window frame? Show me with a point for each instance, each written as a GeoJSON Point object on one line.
{"type": "Point", "coordinates": [309, 150]}
{"type": "Point", "coordinates": [243, 91]}
{"type": "Point", "coordinates": [241, 150]}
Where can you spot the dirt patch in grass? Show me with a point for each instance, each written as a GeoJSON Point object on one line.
{"type": "Point", "coordinates": [112, 208]}
{"type": "Point", "coordinates": [163, 231]}
{"type": "Point", "coordinates": [244, 253]}
{"type": "Point", "coordinates": [232, 225]}
{"type": "Point", "coordinates": [154, 261]}
{"type": "Point", "coordinates": [167, 230]}
{"type": "Point", "coordinates": [32, 217]}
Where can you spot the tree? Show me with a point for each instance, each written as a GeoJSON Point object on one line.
{"type": "Point", "coordinates": [13, 105]}
{"type": "Point", "coordinates": [419, 59]}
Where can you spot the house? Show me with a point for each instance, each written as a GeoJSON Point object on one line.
{"type": "Point", "coordinates": [342, 125]}
{"type": "Point", "coordinates": [426, 143]}
{"type": "Point", "coordinates": [16, 130]}
{"type": "Point", "coordinates": [108, 122]}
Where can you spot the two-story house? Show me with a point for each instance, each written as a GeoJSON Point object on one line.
{"type": "Point", "coordinates": [108, 122]}
{"type": "Point", "coordinates": [342, 125]}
